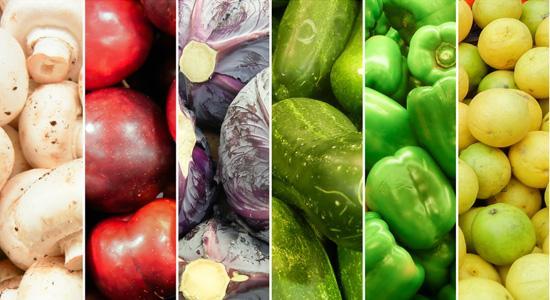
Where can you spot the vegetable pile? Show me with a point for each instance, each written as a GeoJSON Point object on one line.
{"type": "Point", "coordinates": [503, 144]}
{"type": "Point", "coordinates": [223, 114]}
{"type": "Point", "coordinates": [409, 110]}
{"type": "Point", "coordinates": [130, 149]}
{"type": "Point", "coordinates": [41, 142]}
{"type": "Point", "coordinates": [317, 176]}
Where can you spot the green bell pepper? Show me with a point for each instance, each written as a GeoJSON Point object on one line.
{"type": "Point", "coordinates": [432, 52]}
{"type": "Point", "coordinates": [437, 263]}
{"type": "Point", "coordinates": [447, 293]}
{"type": "Point", "coordinates": [387, 127]}
{"type": "Point", "coordinates": [413, 195]}
{"type": "Point", "coordinates": [390, 271]}
{"type": "Point", "coordinates": [407, 16]}
{"type": "Point", "coordinates": [385, 67]}
{"type": "Point", "coordinates": [420, 297]}
{"type": "Point", "coordinates": [373, 11]}
{"type": "Point", "coordinates": [432, 118]}
{"type": "Point", "coordinates": [382, 26]}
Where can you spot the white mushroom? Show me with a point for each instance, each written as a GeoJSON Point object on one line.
{"type": "Point", "coordinates": [51, 210]}
{"type": "Point", "coordinates": [19, 164]}
{"type": "Point", "coordinates": [50, 33]}
{"type": "Point", "coordinates": [72, 247]}
{"type": "Point", "coordinates": [14, 80]}
{"type": "Point", "coordinates": [50, 125]}
{"type": "Point", "coordinates": [3, 4]}
{"type": "Point", "coordinates": [10, 278]}
{"type": "Point", "coordinates": [81, 84]}
{"type": "Point", "coordinates": [9, 294]}
{"type": "Point", "coordinates": [7, 157]}
{"type": "Point", "coordinates": [49, 279]}
{"type": "Point", "coordinates": [10, 243]}
{"type": "Point", "coordinates": [8, 270]}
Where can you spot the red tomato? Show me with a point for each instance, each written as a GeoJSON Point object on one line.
{"type": "Point", "coordinates": [134, 257]}
{"type": "Point", "coordinates": [470, 2]}
{"type": "Point", "coordinates": [118, 39]}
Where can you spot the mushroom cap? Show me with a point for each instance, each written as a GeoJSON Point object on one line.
{"type": "Point", "coordinates": [10, 243]}
{"type": "Point", "coordinates": [8, 270]}
{"type": "Point", "coordinates": [51, 208]}
{"type": "Point", "coordinates": [20, 164]}
{"type": "Point", "coordinates": [7, 157]}
{"type": "Point", "coordinates": [14, 80]}
{"type": "Point", "coordinates": [50, 125]}
{"type": "Point", "coordinates": [20, 18]}
{"type": "Point", "coordinates": [48, 279]}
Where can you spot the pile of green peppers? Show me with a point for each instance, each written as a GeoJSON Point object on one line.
{"type": "Point", "coordinates": [409, 109]}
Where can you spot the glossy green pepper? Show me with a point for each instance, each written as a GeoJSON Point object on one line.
{"type": "Point", "coordinates": [447, 293]}
{"type": "Point", "coordinates": [432, 52]}
{"type": "Point", "coordinates": [387, 127]}
{"type": "Point", "coordinates": [390, 271]}
{"type": "Point", "coordinates": [407, 16]}
{"type": "Point", "coordinates": [382, 26]}
{"type": "Point", "coordinates": [413, 195]}
{"type": "Point", "coordinates": [385, 67]}
{"type": "Point", "coordinates": [373, 11]}
{"type": "Point", "coordinates": [437, 263]}
{"type": "Point", "coordinates": [432, 118]}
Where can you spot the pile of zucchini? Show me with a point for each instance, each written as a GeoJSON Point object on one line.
{"type": "Point", "coordinates": [318, 178]}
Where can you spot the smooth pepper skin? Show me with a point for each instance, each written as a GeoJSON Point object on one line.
{"type": "Point", "coordinates": [372, 13]}
{"type": "Point", "coordinates": [385, 67]}
{"type": "Point", "coordinates": [407, 16]}
{"type": "Point", "coordinates": [387, 127]}
{"type": "Point", "coordinates": [413, 195]}
{"type": "Point", "coordinates": [432, 118]}
{"type": "Point", "coordinates": [436, 263]}
{"type": "Point", "coordinates": [390, 270]}
{"type": "Point", "coordinates": [432, 52]}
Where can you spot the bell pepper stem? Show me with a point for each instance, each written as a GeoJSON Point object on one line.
{"type": "Point", "coordinates": [445, 55]}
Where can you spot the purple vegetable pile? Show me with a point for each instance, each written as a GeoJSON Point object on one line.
{"type": "Point", "coordinates": [223, 148]}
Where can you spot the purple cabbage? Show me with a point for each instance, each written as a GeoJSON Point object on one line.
{"type": "Point", "coordinates": [244, 152]}
{"type": "Point", "coordinates": [238, 31]}
{"type": "Point", "coordinates": [197, 187]}
{"type": "Point", "coordinates": [229, 245]}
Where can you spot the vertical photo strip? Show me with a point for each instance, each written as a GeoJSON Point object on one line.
{"type": "Point", "coordinates": [410, 152]}
{"type": "Point", "coordinates": [274, 149]}
{"type": "Point", "coordinates": [223, 123]}
{"type": "Point", "coordinates": [130, 149]}
{"type": "Point", "coordinates": [503, 149]}
{"type": "Point", "coordinates": [41, 149]}
{"type": "Point", "coordinates": [317, 154]}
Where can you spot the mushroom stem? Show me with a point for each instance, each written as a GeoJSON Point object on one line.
{"type": "Point", "coordinates": [50, 60]}
{"type": "Point", "coordinates": [72, 247]}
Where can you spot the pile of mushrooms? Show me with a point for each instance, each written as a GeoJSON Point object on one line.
{"type": "Point", "coordinates": [41, 139]}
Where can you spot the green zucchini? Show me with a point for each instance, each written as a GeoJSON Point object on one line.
{"type": "Point", "coordinates": [346, 77]}
{"type": "Point", "coordinates": [318, 167]}
{"type": "Point", "coordinates": [301, 267]}
{"type": "Point", "coordinates": [350, 263]}
{"type": "Point", "coordinates": [312, 34]}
